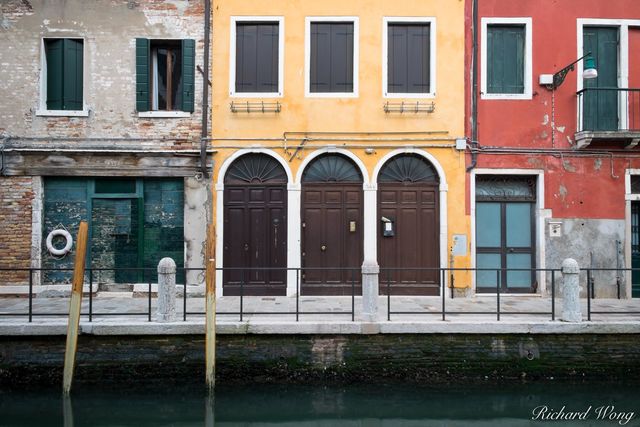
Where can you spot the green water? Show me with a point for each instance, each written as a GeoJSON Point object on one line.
{"type": "Point", "coordinates": [318, 406]}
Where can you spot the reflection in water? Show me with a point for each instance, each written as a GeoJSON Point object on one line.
{"type": "Point", "coordinates": [317, 406]}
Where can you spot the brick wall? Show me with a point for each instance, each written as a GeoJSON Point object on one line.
{"type": "Point", "coordinates": [109, 30]}
{"type": "Point", "coordinates": [16, 197]}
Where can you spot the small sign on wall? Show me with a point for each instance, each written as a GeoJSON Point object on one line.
{"type": "Point", "coordinates": [459, 246]}
{"type": "Point", "coordinates": [555, 229]}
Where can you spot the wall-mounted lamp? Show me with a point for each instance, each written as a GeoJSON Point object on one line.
{"type": "Point", "coordinates": [589, 72]}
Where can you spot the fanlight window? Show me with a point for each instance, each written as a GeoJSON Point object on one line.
{"type": "Point", "coordinates": [409, 169]}
{"type": "Point", "coordinates": [256, 169]}
{"type": "Point", "coordinates": [331, 168]}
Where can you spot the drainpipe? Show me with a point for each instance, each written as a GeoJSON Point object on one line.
{"type": "Point", "coordinates": [474, 87]}
{"type": "Point", "coordinates": [205, 89]}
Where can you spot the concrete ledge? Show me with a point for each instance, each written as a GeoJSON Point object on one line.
{"type": "Point", "coordinates": [58, 327]}
{"type": "Point", "coordinates": [43, 291]}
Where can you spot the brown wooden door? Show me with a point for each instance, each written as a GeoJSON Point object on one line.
{"type": "Point", "coordinates": [255, 236]}
{"type": "Point", "coordinates": [255, 227]}
{"type": "Point", "coordinates": [332, 224]}
{"type": "Point", "coordinates": [408, 196]}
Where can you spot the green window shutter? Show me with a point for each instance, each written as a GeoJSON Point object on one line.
{"type": "Point", "coordinates": [505, 59]}
{"type": "Point", "coordinates": [54, 57]}
{"type": "Point", "coordinates": [188, 74]}
{"type": "Point", "coordinates": [72, 79]}
{"type": "Point", "coordinates": [142, 75]}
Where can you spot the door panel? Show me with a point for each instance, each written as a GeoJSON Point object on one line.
{"type": "Point", "coordinates": [601, 107]}
{"type": "Point", "coordinates": [114, 239]}
{"type": "Point", "coordinates": [255, 236]}
{"type": "Point", "coordinates": [415, 244]}
{"type": "Point", "coordinates": [330, 244]}
{"type": "Point", "coordinates": [504, 236]}
{"type": "Point", "coordinates": [635, 249]}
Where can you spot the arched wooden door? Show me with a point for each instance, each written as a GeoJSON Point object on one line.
{"type": "Point", "coordinates": [332, 222]}
{"type": "Point", "coordinates": [255, 227]}
{"type": "Point", "coordinates": [409, 252]}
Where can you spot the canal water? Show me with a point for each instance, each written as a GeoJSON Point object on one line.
{"type": "Point", "coordinates": [597, 404]}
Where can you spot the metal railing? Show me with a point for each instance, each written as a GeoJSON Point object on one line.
{"type": "Point", "coordinates": [449, 273]}
{"type": "Point", "coordinates": [352, 285]}
{"type": "Point", "coordinates": [608, 109]}
{"type": "Point", "coordinates": [612, 278]}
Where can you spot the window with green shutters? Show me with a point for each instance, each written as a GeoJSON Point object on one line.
{"type": "Point", "coordinates": [165, 75]}
{"type": "Point", "coordinates": [64, 76]}
{"type": "Point", "coordinates": [505, 59]}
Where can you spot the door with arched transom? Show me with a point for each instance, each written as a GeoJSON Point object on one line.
{"type": "Point", "coordinates": [332, 222]}
{"type": "Point", "coordinates": [408, 218]}
{"type": "Point", "coordinates": [255, 227]}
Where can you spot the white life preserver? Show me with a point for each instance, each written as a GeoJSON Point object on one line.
{"type": "Point", "coordinates": [67, 247]}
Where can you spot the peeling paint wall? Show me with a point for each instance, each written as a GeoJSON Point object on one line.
{"type": "Point", "coordinates": [109, 30]}
{"type": "Point", "coordinates": [594, 243]}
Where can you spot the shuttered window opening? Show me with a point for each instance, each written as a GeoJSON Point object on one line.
{"type": "Point", "coordinates": [64, 58]}
{"type": "Point", "coordinates": [331, 65]}
{"type": "Point", "coordinates": [257, 57]}
{"type": "Point", "coordinates": [505, 59]}
{"type": "Point", "coordinates": [408, 58]}
{"type": "Point", "coordinates": [165, 75]}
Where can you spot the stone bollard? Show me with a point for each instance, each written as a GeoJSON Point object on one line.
{"type": "Point", "coordinates": [370, 287]}
{"type": "Point", "coordinates": [571, 310]}
{"type": "Point", "coordinates": [166, 311]}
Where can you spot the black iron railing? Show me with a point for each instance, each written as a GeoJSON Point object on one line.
{"type": "Point", "coordinates": [608, 109]}
{"type": "Point", "coordinates": [438, 306]}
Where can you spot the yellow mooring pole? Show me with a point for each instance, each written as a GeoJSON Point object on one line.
{"type": "Point", "coordinates": [74, 307]}
{"type": "Point", "coordinates": [210, 325]}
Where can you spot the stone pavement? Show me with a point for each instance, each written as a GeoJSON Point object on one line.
{"type": "Point", "coordinates": [278, 314]}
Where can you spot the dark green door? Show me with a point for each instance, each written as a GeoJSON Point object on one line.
{"type": "Point", "coordinates": [115, 236]}
{"type": "Point", "coordinates": [600, 107]}
{"type": "Point", "coordinates": [635, 249]}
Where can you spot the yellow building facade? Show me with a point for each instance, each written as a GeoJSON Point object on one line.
{"type": "Point", "coordinates": [335, 126]}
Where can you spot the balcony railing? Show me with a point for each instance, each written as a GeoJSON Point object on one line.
{"type": "Point", "coordinates": [605, 109]}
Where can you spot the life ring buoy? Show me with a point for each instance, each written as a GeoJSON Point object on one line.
{"type": "Point", "coordinates": [67, 247]}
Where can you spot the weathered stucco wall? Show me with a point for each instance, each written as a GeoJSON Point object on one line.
{"type": "Point", "coordinates": [594, 243]}
{"type": "Point", "coordinates": [109, 30]}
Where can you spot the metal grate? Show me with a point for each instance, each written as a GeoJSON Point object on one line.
{"type": "Point", "coordinates": [256, 168]}
{"type": "Point", "coordinates": [505, 187]}
{"type": "Point", "coordinates": [408, 168]}
{"type": "Point", "coordinates": [331, 168]}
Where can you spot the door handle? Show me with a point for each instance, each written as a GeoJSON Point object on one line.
{"type": "Point", "coordinates": [246, 246]}
{"type": "Point", "coordinates": [323, 248]}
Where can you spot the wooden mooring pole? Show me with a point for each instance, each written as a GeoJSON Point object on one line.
{"type": "Point", "coordinates": [210, 324]}
{"type": "Point", "coordinates": [74, 307]}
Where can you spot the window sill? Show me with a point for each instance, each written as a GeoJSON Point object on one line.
{"type": "Point", "coordinates": [257, 95]}
{"type": "Point", "coordinates": [429, 95]}
{"type": "Point", "coordinates": [164, 114]}
{"type": "Point", "coordinates": [331, 95]}
{"type": "Point", "coordinates": [506, 96]}
{"type": "Point", "coordinates": [62, 113]}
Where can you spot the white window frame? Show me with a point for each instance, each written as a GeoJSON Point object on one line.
{"type": "Point", "coordinates": [629, 197]}
{"type": "Point", "coordinates": [541, 214]}
{"type": "Point", "coordinates": [232, 56]}
{"type": "Point", "coordinates": [623, 60]}
{"type": "Point", "coordinates": [307, 56]}
{"type": "Point", "coordinates": [528, 57]}
{"type": "Point", "coordinates": [432, 53]}
{"type": "Point", "coordinates": [42, 104]}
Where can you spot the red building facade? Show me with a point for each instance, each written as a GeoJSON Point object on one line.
{"type": "Point", "coordinates": [553, 167]}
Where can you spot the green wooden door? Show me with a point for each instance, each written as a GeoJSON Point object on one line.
{"type": "Point", "coordinates": [115, 237]}
{"type": "Point", "coordinates": [600, 107]}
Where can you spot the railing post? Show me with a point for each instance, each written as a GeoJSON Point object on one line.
{"type": "Point", "coordinates": [553, 295]}
{"type": "Point", "coordinates": [30, 295]}
{"type": "Point", "coordinates": [166, 310]}
{"type": "Point", "coordinates": [370, 286]}
{"type": "Point", "coordinates": [571, 310]}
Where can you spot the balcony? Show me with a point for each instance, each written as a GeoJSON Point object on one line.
{"type": "Point", "coordinates": [608, 115]}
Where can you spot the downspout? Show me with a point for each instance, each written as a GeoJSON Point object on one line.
{"type": "Point", "coordinates": [474, 87]}
{"type": "Point", "coordinates": [205, 90]}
